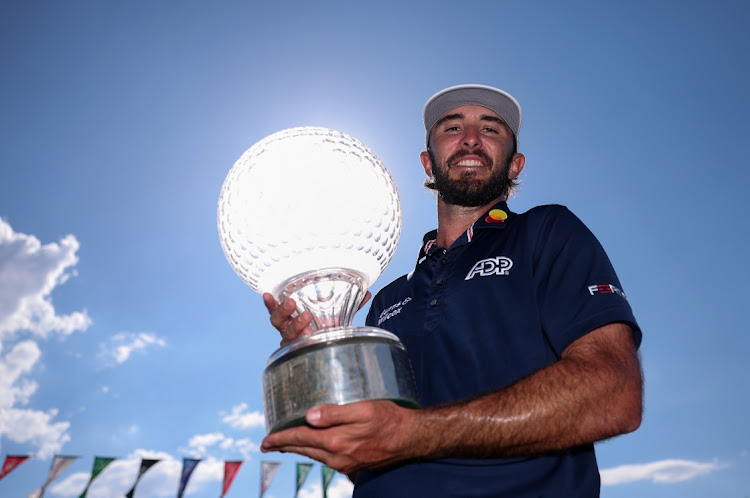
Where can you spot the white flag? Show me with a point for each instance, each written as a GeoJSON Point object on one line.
{"type": "Point", "coordinates": [267, 472]}
{"type": "Point", "coordinates": [59, 465]}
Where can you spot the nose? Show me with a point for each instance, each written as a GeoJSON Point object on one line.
{"type": "Point", "coordinates": [471, 137]}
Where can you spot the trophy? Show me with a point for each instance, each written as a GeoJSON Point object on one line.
{"type": "Point", "coordinates": [311, 213]}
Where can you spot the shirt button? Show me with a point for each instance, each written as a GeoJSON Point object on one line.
{"type": "Point", "coordinates": [443, 261]}
{"type": "Point", "coordinates": [433, 302]}
{"type": "Point", "coordinates": [439, 281]}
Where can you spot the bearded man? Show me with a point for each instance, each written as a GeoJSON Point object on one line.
{"type": "Point", "coordinates": [523, 344]}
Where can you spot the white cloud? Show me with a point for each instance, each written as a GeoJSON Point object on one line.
{"type": "Point", "coordinates": [663, 471]}
{"type": "Point", "coordinates": [200, 445]}
{"type": "Point", "coordinates": [29, 271]}
{"type": "Point", "coordinates": [200, 442]}
{"type": "Point", "coordinates": [340, 487]}
{"type": "Point", "coordinates": [34, 427]}
{"type": "Point", "coordinates": [122, 345]}
{"type": "Point", "coordinates": [16, 363]}
{"type": "Point", "coordinates": [24, 425]}
{"type": "Point", "coordinates": [239, 418]}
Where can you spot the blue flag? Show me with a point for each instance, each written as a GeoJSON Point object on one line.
{"type": "Point", "coordinates": [188, 466]}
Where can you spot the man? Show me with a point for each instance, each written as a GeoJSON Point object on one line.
{"type": "Point", "coordinates": [522, 342]}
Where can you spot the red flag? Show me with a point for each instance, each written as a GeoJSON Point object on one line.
{"type": "Point", "coordinates": [11, 462]}
{"type": "Point", "coordinates": [230, 470]}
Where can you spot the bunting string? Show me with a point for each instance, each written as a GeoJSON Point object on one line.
{"type": "Point", "coordinates": [61, 463]}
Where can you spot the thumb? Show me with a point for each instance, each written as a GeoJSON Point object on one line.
{"type": "Point", "coordinates": [323, 416]}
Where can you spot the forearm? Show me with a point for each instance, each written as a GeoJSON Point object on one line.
{"type": "Point", "coordinates": [592, 393]}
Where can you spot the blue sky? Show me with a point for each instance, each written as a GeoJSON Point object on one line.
{"type": "Point", "coordinates": [123, 330]}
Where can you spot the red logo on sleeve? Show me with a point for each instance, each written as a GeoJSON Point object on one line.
{"type": "Point", "coordinates": [605, 289]}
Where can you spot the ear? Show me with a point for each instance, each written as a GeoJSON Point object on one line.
{"type": "Point", "coordinates": [424, 157]}
{"type": "Point", "coordinates": [516, 166]}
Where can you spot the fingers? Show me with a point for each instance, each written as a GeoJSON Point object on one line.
{"type": "Point", "coordinates": [367, 297]}
{"type": "Point", "coordinates": [347, 437]}
{"type": "Point", "coordinates": [297, 327]}
{"type": "Point", "coordinates": [300, 440]}
{"type": "Point", "coordinates": [281, 314]}
{"type": "Point", "coordinates": [318, 417]}
{"type": "Point", "coordinates": [323, 416]}
{"type": "Point", "coordinates": [270, 302]}
{"type": "Point", "coordinates": [290, 440]}
{"type": "Point", "coordinates": [283, 319]}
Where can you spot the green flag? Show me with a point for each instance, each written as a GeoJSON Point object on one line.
{"type": "Point", "coordinates": [327, 476]}
{"type": "Point", "coordinates": [302, 470]}
{"type": "Point", "coordinates": [99, 464]}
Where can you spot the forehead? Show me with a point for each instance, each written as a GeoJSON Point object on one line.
{"type": "Point", "coordinates": [471, 112]}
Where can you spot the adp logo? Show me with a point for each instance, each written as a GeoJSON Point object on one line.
{"type": "Point", "coordinates": [499, 265]}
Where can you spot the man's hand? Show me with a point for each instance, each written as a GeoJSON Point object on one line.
{"type": "Point", "coordinates": [348, 438]}
{"type": "Point", "coordinates": [594, 392]}
{"type": "Point", "coordinates": [282, 319]}
{"type": "Point", "coordinates": [291, 327]}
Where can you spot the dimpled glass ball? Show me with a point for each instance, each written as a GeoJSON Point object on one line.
{"type": "Point", "coordinates": [306, 199]}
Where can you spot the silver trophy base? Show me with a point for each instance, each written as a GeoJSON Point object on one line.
{"type": "Point", "coordinates": [337, 366]}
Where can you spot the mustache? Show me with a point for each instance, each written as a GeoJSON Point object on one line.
{"type": "Point", "coordinates": [479, 153]}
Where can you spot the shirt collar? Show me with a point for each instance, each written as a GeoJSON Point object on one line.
{"type": "Point", "coordinates": [497, 217]}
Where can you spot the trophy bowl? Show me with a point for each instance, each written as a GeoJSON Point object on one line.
{"type": "Point", "coordinates": [312, 214]}
{"type": "Point", "coordinates": [340, 365]}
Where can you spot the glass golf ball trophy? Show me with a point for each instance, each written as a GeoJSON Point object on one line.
{"type": "Point", "coordinates": [312, 214]}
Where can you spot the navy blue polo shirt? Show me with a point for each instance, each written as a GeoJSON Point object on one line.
{"type": "Point", "coordinates": [505, 300]}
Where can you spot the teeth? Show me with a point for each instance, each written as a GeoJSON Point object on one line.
{"type": "Point", "coordinates": [469, 162]}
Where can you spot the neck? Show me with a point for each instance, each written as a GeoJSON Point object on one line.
{"type": "Point", "coordinates": [454, 220]}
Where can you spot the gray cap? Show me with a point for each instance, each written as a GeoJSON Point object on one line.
{"type": "Point", "coordinates": [492, 98]}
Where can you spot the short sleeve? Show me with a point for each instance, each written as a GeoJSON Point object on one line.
{"type": "Point", "coordinates": [577, 288]}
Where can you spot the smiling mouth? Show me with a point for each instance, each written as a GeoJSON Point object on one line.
{"type": "Point", "coordinates": [469, 163]}
{"type": "Point", "coordinates": [470, 159]}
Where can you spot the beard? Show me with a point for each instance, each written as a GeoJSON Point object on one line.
{"type": "Point", "coordinates": [468, 190]}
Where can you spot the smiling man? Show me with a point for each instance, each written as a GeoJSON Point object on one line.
{"type": "Point", "coordinates": [470, 176]}
{"type": "Point", "coordinates": [519, 366]}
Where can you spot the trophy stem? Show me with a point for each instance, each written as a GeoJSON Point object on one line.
{"type": "Point", "coordinates": [332, 295]}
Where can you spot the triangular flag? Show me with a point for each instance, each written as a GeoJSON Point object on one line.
{"type": "Point", "coordinates": [59, 465]}
{"type": "Point", "coordinates": [188, 466]}
{"type": "Point", "coordinates": [302, 470]}
{"type": "Point", "coordinates": [230, 470]}
{"type": "Point", "coordinates": [145, 465]}
{"type": "Point", "coordinates": [99, 464]}
{"type": "Point", "coordinates": [11, 462]}
{"type": "Point", "coordinates": [267, 472]}
{"type": "Point", "coordinates": [328, 473]}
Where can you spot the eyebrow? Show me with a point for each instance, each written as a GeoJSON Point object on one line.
{"type": "Point", "coordinates": [459, 115]}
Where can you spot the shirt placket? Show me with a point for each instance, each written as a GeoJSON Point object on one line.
{"type": "Point", "coordinates": [443, 265]}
